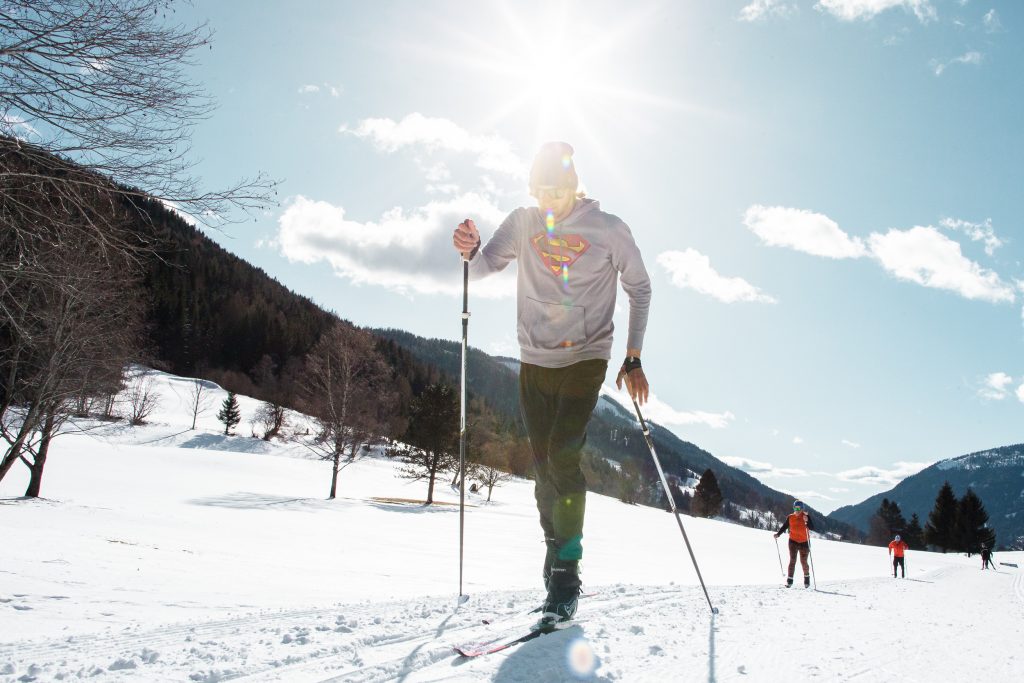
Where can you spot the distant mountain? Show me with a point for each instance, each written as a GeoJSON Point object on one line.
{"type": "Point", "coordinates": [996, 475]}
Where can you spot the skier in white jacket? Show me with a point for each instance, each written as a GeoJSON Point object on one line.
{"type": "Point", "coordinates": [571, 256]}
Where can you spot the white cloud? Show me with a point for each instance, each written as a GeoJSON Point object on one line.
{"type": "Point", "coordinates": [851, 10]}
{"type": "Point", "coordinates": [991, 22]}
{"type": "Point", "coordinates": [759, 10]}
{"type": "Point", "coordinates": [329, 88]}
{"type": "Point", "coordinates": [1020, 393]}
{"type": "Point", "coordinates": [851, 444]}
{"type": "Point", "coordinates": [810, 494]}
{"type": "Point", "coordinates": [405, 251]}
{"type": "Point", "coordinates": [17, 127]}
{"type": "Point", "coordinates": [837, 489]}
{"type": "Point", "coordinates": [929, 258]}
{"type": "Point", "coordinates": [432, 134]}
{"type": "Point", "coordinates": [665, 415]}
{"type": "Point", "coordinates": [996, 386]}
{"type": "Point", "coordinates": [921, 254]}
{"type": "Point", "coordinates": [1020, 287]}
{"type": "Point", "coordinates": [797, 440]}
{"type": "Point", "coordinates": [691, 269]}
{"type": "Point", "coordinates": [978, 232]}
{"type": "Point", "coordinates": [437, 172]}
{"type": "Point", "coordinates": [812, 233]}
{"type": "Point", "coordinates": [869, 474]}
{"type": "Point", "coordinates": [972, 57]}
{"type": "Point", "coordinates": [762, 469]}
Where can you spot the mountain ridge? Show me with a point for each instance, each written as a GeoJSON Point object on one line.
{"type": "Point", "coordinates": [995, 474]}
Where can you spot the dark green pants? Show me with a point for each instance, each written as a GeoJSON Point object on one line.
{"type": "Point", "coordinates": [556, 405]}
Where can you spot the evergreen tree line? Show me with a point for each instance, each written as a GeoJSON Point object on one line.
{"type": "Point", "coordinates": [958, 525]}
{"type": "Point", "coordinates": [953, 525]}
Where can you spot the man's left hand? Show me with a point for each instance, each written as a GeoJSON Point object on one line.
{"type": "Point", "coordinates": [636, 384]}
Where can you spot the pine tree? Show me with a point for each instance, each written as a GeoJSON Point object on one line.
{"type": "Point", "coordinates": [707, 497]}
{"type": "Point", "coordinates": [230, 414]}
{"type": "Point", "coordinates": [914, 535]}
{"type": "Point", "coordinates": [970, 531]}
{"type": "Point", "coordinates": [939, 531]}
{"type": "Point", "coordinates": [433, 436]}
{"type": "Point", "coordinates": [886, 523]}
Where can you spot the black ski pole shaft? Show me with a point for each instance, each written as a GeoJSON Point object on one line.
{"type": "Point", "coordinates": [668, 492]}
{"type": "Point", "coordinates": [462, 421]}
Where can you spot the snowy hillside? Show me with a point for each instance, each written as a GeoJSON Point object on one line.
{"type": "Point", "coordinates": [160, 553]}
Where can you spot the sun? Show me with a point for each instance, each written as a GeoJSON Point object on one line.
{"type": "Point", "coordinates": [571, 75]}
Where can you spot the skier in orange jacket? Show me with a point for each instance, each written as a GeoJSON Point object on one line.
{"type": "Point", "coordinates": [896, 549]}
{"type": "Point", "coordinates": [799, 526]}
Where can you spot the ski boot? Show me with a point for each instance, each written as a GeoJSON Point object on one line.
{"type": "Point", "coordinates": [807, 581]}
{"type": "Point", "coordinates": [563, 596]}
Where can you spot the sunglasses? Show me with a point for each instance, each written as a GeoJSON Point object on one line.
{"type": "Point", "coordinates": [554, 192]}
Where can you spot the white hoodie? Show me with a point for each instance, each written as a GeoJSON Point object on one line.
{"type": "Point", "coordinates": [566, 284]}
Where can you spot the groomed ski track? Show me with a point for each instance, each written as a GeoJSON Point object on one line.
{"type": "Point", "coordinates": [863, 630]}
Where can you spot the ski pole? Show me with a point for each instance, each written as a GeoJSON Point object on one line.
{"type": "Point", "coordinates": [779, 553]}
{"type": "Point", "coordinates": [668, 491]}
{"type": "Point", "coordinates": [810, 556]}
{"type": "Point", "coordinates": [462, 422]}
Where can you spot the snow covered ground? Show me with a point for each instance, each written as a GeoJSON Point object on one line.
{"type": "Point", "coordinates": [165, 554]}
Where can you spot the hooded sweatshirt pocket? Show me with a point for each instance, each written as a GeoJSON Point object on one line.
{"type": "Point", "coordinates": [551, 326]}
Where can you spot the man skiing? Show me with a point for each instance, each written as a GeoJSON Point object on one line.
{"type": "Point", "coordinates": [570, 254]}
{"type": "Point", "coordinates": [986, 558]}
{"type": "Point", "coordinates": [897, 547]}
{"type": "Point", "coordinates": [799, 525]}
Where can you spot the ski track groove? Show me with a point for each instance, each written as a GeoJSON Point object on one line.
{"type": "Point", "coordinates": [192, 645]}
{"type": "Point", "coordinates": [393, 666]}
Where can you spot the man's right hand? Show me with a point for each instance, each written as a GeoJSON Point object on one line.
{"type": "Point", "coordinates": [466, 238]}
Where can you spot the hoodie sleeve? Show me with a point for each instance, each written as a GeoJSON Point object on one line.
{"type": "Point", "coordinates": [502, 248]}
{"type": "Point", "coordinates": [784, 527]}
{"type": "Point", "coordinates": [635, 282]}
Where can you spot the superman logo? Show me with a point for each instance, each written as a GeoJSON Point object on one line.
{"type": "Point", "coordinates": [558, 252]}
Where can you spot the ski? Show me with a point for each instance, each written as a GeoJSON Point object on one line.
{"type": "Point", "coordinates": [536, 610]}
{"type": "Point", "coordinates": [490, 647]}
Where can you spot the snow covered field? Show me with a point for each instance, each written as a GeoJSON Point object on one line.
{"type": "Point", "coordinates": [165, 554]}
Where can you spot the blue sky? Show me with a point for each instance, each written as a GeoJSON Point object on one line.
{"type": "Point", "coordinates": [826, 194]}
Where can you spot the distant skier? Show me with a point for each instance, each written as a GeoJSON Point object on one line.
{"type": "Point", "coordinates": [897, 547]}
{"type": "Point", "coordinates": [986, 558]}
{"type": "Point", "coordinates": [799, 525]}
{"type": "Point", "coordinates": [570, 256]}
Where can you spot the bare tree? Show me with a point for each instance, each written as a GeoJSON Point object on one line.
{"type": "Point", "coordinates": [105, 84]}
{"type": "Point", "coordinates": [200, 398]}
{"type": "Point", "coordinates": [74, 329]}
{"type": "Point", "coordinates": [345, 394]}
{"type": "Point", "coordinates": [271, 417]}
{"type": "Point", "coordinates": [491, 477]}
{"type": "Point", "coordinates": [141, 397]}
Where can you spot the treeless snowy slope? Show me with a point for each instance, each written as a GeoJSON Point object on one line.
{"type": "Point", "coordinates": [162, 553]}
